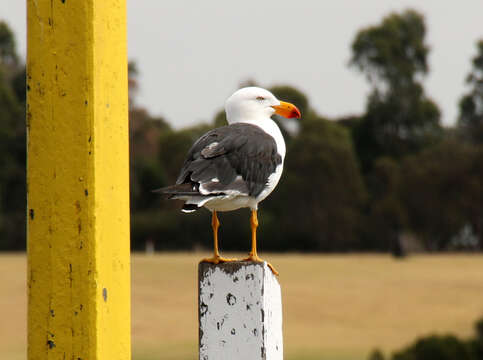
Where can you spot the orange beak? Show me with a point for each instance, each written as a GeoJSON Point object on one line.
{"type": "Point", "coordinates": [287, 110]}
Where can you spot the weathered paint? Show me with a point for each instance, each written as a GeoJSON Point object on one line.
{"type": "Point", "coordinates": [78, 180]}
{"type": "Point", "coordinates": [240, 312]}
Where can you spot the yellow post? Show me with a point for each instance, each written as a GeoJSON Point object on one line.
{"type": "Point", "coordinates": [78, 180]}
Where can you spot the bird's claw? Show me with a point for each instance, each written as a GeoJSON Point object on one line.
{"type": "Point", "coordinates": [217, 259]}
{"type": "Point", "coordinates": [256, 258]}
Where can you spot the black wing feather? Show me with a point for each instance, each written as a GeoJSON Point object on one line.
{"type": "Point", "coordinates": [236, 150]}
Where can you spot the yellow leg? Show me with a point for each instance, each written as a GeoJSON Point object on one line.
{"type": "Point", "coordinates": [215, 224]}
{"type": "Point", "coordinates": [253, 256]}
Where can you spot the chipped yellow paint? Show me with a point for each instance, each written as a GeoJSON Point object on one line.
{"type": "Point", "coordinates": [78, 180]}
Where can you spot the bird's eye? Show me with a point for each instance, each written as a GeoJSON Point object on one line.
{"type": "Point", "coordinates": [260, 98]}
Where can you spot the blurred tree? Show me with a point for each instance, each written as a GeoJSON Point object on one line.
{"type": "Point", "coordinates": [393, 53]}
{"type": "Point", "coordinates": [146, 173]}
{"type": "Point", "coordinates": [350, 122]}
{"type": "Point", "coordinates": [399, 123]}
{"type": "Point", "coordinates": [470, 120]}
{"type": "Point", "coordinates": [436, 190]}
{"type": "Point", "coordinates": [473, 187]}
{"type": "Point", "coordinates": [8, 53]}
{"type": "Point", "coordinates": [386, 215]}
{"type": "Point", "coordinates": [12, 143]}
{"type": "Point", "coordinates": [399, 119]}
{"type": "Point", "coordinates": [247, 82]}
{"type": "Point", "coordinates": [154, 218]}
{"type": "Point", "coordinates": [133, 85]}
{"type": "Point", "coordinates": [144, 134]}
{"type": "Point", "coordinates": [220, 119]}
{"type": "Point", "coordinates": [174, 146]}
{"type": "Point", "coordinates": [317, 205]}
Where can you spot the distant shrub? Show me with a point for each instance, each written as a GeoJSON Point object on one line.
{"type": "Point", "coordinates": [436, 347]}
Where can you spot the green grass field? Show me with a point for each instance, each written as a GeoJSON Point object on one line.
{"type": "Point", "coordinates": [335, 307]}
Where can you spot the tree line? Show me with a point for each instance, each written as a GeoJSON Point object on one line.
{"type": "Point", "coordinates": [390, 179]}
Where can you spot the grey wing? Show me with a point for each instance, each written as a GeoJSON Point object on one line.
{"type": "Point", "coordinates": [231, 160]}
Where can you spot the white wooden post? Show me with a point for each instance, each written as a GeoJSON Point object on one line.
{"type": "Point", "coordinates": [240, 312]}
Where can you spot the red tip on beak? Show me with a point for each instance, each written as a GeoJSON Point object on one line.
{"type": "Point", "coordinates": [287, 110]}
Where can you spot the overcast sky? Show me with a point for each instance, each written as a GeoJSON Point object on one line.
{"type": "Point", "coordinates": [193, 54]}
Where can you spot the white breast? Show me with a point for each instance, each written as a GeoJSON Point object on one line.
{"type": "Point", "coordinates": [271, 183]}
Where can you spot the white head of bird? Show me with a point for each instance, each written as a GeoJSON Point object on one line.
{"type": "Point", "coordinates": [256, 104]}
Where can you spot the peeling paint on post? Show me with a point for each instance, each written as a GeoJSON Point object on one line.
{"type": "Point", "coordinates": [78, 180]}
{"type": "Point", "coordinates": [240, 312]}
